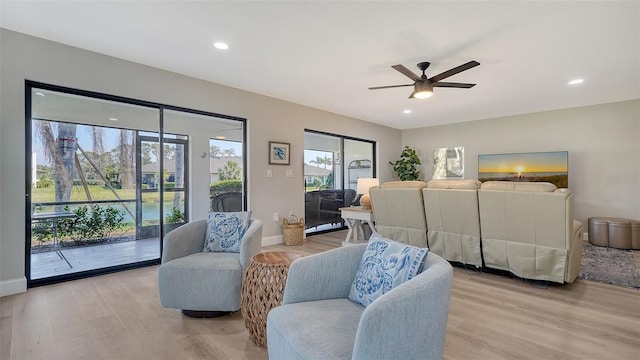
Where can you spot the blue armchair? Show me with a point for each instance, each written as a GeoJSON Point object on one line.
{"type": "Point", "coordinates": [204, 284]}
{"type": "Point", "coordinates": [318, 321]}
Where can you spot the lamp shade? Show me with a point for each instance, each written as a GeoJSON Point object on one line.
{"type": "Point", "coordinates": [422, 90]}
{"type": "Point", "coordinates": [364, 184]}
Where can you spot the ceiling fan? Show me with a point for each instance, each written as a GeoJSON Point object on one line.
{"type": "Point", "coordinates": [423, 86]}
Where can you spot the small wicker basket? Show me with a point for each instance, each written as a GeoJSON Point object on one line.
{"type": "Point", "coordinates": [293, 231]}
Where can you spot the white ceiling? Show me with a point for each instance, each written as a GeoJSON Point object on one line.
{"type": "Point", "coordinates": [326, 54]}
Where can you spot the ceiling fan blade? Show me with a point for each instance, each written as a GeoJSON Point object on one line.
{"type": "Point", "coordinates": [408, 73]}
{"type": "Point", "coordinates": [389, 86]}
{"type": "Point", "coordinates": [453, 85]}
{"type": "Point", "coordinates": [454, 71]}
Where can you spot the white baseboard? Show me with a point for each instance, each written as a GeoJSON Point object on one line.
{"type": "Point", "coordinates": [13, 286]}
{"type": "Point", "coordinates": [272, 240]}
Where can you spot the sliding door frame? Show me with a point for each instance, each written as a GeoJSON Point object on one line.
{"type": "Point", "coordinates": [29, 85]}
{"type": "Point", "coordinates": [343, 174]}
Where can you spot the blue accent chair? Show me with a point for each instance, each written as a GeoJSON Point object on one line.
{"type": "Point", "coordinates": [204, 284]}
{"type": "Point", "coordinates": [318, 321]}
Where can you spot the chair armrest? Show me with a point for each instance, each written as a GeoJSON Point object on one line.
{"type": "Point", "coordinates": [326, 275]}
{"type": "Point", "coordinates": [330, 204]}
{"type": "Point", "coordinates": [185, 240]}
{"type": "Point", "coordinates": [412, 316]}
{"type": "Point", "coordinates": [251, 242]}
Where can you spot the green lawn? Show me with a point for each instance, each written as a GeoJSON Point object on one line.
{"type": "Point", "coordinates": [97, 193]}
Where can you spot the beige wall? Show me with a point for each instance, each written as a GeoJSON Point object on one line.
{"type": "Point", "coordinates": [603, 143]}
{"type": "Point", "coordinates": [24, 57]}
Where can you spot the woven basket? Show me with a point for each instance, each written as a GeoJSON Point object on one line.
{"type": "Point", "coordinates": [293, 231]}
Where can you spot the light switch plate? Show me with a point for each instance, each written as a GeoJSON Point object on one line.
{"type": "Point", "coordinates": [289, 173]}
{"type": "Point", "coordinates": [269, 173]}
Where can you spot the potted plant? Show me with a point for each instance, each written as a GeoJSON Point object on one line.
{"type": "Point", "coordinates": [173, 220]}
{"type": "Point", "coordinates": [406, 168]}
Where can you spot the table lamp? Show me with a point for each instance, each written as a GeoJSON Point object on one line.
{"type": "Point", "coordinates": [364, 184]}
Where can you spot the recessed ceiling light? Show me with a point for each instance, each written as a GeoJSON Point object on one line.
{"type": "Point", "coordinates": [575, 82]}
{"type": "Point", "coordinates": [39, 93]}
{"type": "Point", "coordinates": [406, 111]}
{"type": "Point", "coordinates": [113, 119]}
{"type": "Point", "coordinates": [221, 45]}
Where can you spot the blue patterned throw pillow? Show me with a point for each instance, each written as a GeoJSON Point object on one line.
{"type": "Point", "coordinates": [385, 265]}
{"type": "Point", "coordinates": [225, 231]}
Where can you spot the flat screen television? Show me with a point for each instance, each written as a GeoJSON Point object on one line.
{"type": "Point", "coordinates": [552, 166]}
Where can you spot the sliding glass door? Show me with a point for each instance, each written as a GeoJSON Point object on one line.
{"type": "Point", "coordinates": [108, 177]}
{"type": "Point", "coordinates": [332, 166]}
{"type": "Point", "coordinates": [84, 202]}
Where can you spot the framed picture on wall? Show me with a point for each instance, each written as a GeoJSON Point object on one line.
{"type": "Point", "coordinates": [278, 153]}
{"type": "Point", "coordinates": [448, 163]}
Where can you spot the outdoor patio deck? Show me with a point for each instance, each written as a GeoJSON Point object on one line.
{"type": "Point", "coordinates": [93, 257]}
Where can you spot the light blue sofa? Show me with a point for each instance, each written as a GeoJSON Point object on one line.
{"type": "Point", "coordinates": [318, 321]}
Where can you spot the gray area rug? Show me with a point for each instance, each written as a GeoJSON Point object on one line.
{"type": "Point", "coordinates": [609, 266]}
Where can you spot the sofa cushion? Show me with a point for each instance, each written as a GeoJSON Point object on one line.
{"type": "Point", "coordinates": [385, 264]}
{"type": "Point", "coordinates": [225, 231]}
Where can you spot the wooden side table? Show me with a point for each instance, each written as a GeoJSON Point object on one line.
{"type": "Point", "coordinates": [262, 290]}
{"type": "Point", "coordinates": [354, 216]}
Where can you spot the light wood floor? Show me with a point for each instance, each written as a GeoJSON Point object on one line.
{"type": "Point", "coordinates": [118, 316]}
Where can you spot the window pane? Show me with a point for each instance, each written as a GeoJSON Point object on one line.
{"type": "Point", "coordinates": [332, 166]}
{"type": "Point", "coordinates": [84, 184]}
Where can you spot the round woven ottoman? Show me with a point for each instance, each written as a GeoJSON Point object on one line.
{"type": "Point", "coordinates": [262, 290]}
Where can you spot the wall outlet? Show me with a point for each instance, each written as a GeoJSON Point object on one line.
{"type": "Point", "coordinates": [276, 217]}
{"type": "Point", "coordinates": [289, 173]}
{"type": "Point", "coordinates": [269, 173]}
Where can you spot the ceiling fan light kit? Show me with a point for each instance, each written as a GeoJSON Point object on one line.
{"type": "Point", "coordinates": [422, 90]}
{"type": "Point", "coordinates": [423, 86]}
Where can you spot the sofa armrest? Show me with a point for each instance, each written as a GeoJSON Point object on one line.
{"type": "Point", "coordinates": [412, 316]}
{"type": "Point", "coordinates": [572, 269]}
{"type": "Point", "coordinates": [185, 240]}
{"type": "Point", "coordinates": [327, 275]}
{"type": "Point", "coordinates": [251, 242]}
{"type": "Point", "coordinates": [578, 230]}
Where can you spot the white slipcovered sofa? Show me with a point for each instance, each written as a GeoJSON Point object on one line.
{"type": "Point", "coordinates": [526, 228]}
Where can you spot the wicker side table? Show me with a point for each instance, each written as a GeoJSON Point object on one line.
{"type": "Point", "coordinates": [262, 290]}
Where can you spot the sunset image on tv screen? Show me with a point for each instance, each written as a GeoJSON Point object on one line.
{"type": "Point", "coordinates": [551, 167]}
